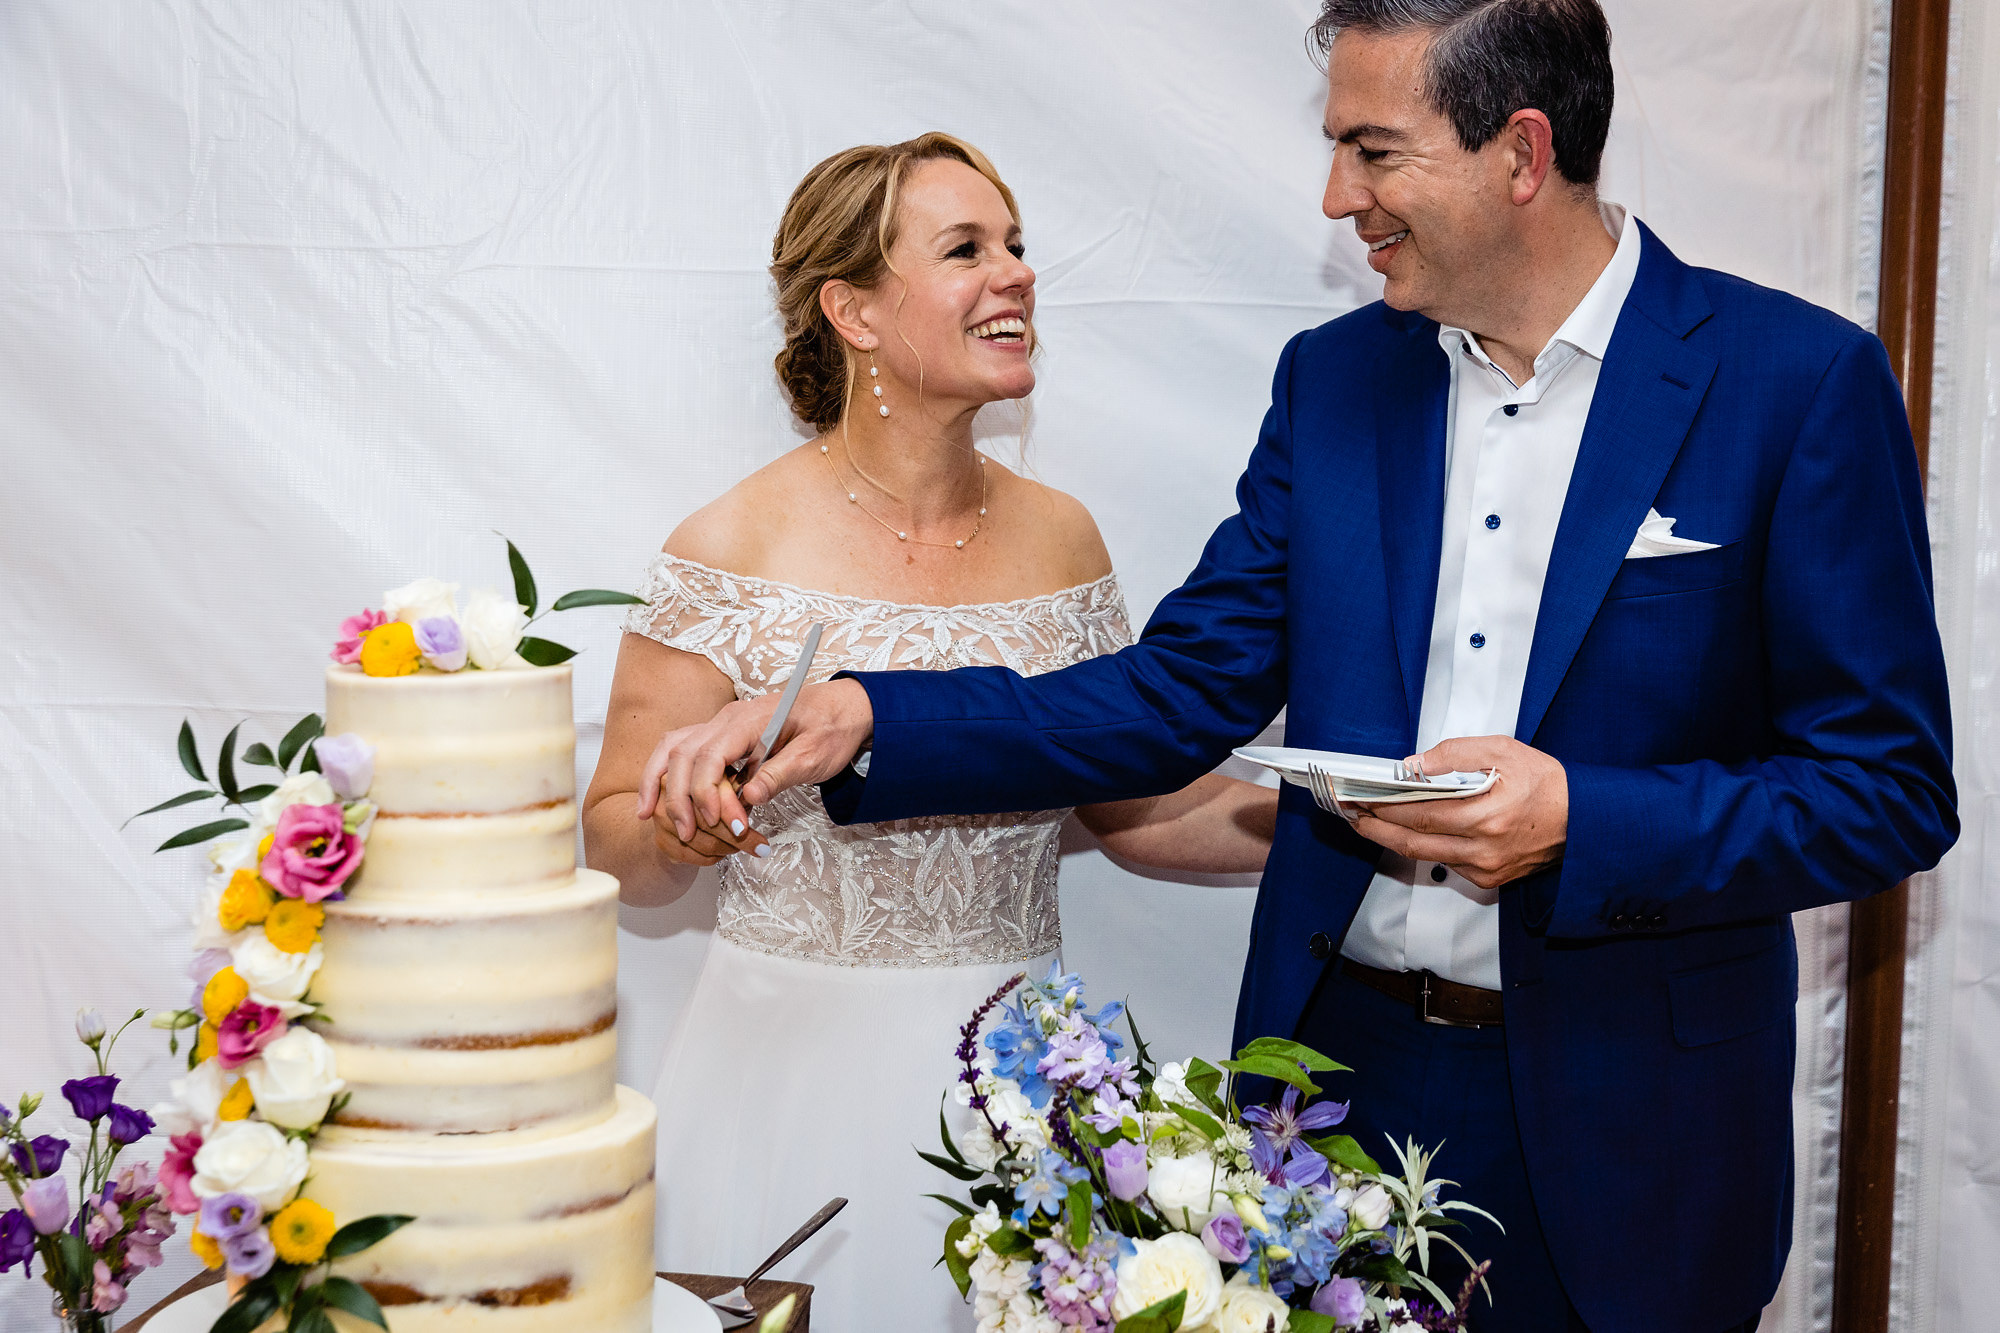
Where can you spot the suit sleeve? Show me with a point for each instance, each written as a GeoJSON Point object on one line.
{"type": "Point", "coordinates": [1857, 791]}
{"type": "Point", "coordinates": [1208, 674]}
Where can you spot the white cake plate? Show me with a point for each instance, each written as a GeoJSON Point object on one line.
{"type": "Point", "coordinates": [675, 1310]}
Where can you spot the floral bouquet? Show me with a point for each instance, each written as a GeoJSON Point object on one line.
{"type": "Point", "coordinates": [1108, 1194]}
{"type": "Point", "coordinates": [90, 1254]}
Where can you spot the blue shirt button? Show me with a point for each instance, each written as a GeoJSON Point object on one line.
{"type": "Point", "coordinates": [1479, 641]}
{"type": "Point", "coordinates": [1493, 520]}
{"type": "Point", "coordinates": [1511, 409]}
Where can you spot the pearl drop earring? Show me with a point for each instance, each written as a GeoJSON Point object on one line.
{"type": "Point", "coordinates": [875, 379]}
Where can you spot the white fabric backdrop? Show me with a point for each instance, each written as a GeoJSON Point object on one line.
{"type": "Point", "coordinates": [298, 301]}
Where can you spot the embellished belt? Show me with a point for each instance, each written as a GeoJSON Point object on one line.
{"type": "Point", "coordinates": [1448, 1003]}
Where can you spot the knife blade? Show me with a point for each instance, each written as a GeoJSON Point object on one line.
{"type": "Point", "coordinates": [807, 650]}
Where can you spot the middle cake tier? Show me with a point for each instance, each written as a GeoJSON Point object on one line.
{"type": "Point", "coordinates": [473, 1014]}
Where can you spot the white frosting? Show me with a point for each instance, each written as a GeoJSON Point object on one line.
{"type": "Point", "coordinates": [411, 857]}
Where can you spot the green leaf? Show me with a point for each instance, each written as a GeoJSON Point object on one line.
{"type": "Point", "coordinates": [955, 1263]}
{"type": "Point", "coordinates": [1140, 1052]}
{"type": "Point", "coordinates": [1293, 1051]}
{"type": "Point", "coordinates": [202, 833]}
{"type": "Point", "coordinates": [959, 1206]}
{"type": "Point", "coordinates": [190, 757]}
{"type": "Point", "coordinates": [257, 793]}
{"type": "Point", "coordinates": [1285, 1071]}
{"type": "Point", "coordinates": [569, 601]}
{"type": "Point", "coordinates": [944, 1132]}
{"type": "Point", "coordinates": [359, 1234]}
{"type": "Point", "coordinates": [1079, 1215]}
{"type": "Point", "coordinates": [225, 765]}
{"type": "Point", "coordinates": [1383, 1268]}
{"type": "Point", "coordinates": [1309, 1321]}
{"type": "Point", "coordinates": [260, 754]}
{"type": "Point", "coordinates": [315, 1320]}
{"type": "Point", "coordinates": [1345, 1152]}
{"type": "Point", "coordinates": [541, 652]}
{"type": "Point", "coordinates": [1159, 1317]}
{"type": "Point", "coordinates": [303, 730]}
{"type": "Point", "coordinates": [309, 760]}
{"type": "Point", "coordinates": [257, 1303]}
{"type": "Point", "coordinates": [346, 1294]}
{"type": "Point", "coordinates": [1010, 1243]}
{"type": "Point", "coordinates": [285, 1282]}
{"type": "Point", "coordinates": [956, 1170]}
{"type": "Point", "coordinates": [1201, 1120]}
{"type": "Point", "coordinates": [1204, 1080]}
{"type": "Point", "coordinates": [524, 582]}
{"type": "Point", "coordinates": [186, 797]}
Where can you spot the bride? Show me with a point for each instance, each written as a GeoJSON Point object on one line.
{"type": "Point", "coordinates": [818, 1039]}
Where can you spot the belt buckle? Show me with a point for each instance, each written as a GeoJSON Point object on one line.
{"type": "Point", "coordinates": [1424, 1007]}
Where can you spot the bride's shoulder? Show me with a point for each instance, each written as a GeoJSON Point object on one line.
{"type": "Point", "coordinates": [1062, 527]}
{"type": "Point", "coordinates": [735, 530]}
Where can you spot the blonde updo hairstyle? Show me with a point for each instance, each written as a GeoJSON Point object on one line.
{"type": "Point", "coordinates": [840, 224]}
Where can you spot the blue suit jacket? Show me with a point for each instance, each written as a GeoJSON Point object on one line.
{"type": "Point", "coordinates": [1748, 731]}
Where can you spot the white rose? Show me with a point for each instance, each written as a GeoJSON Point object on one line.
{"type": "Point", "coordinates": [1249, 1309]}
{"type": "Point", "coordinates": [420, 600]}
{"type": "Point", "coordinates": [236, 852]}
{"type": "Point", "coordinates": [298, 789]}
{"type": "Point", "coordinates": [1371, 1208]}
{"type": "Point", "coordinates": [492, 625]}
{"type": "Point", "coordinates": [193, 1102]}
{"type": "Point", "coordinates": [1186, 1190]}
{"type": "Point", "coordinates": [208, 931]}
{"type": "Point", "coordinates": [253, 1158]}
{"type": "Point", "coordinates": [1158, 1268]}
{"type": "Point", "coordinates": [294, 1080]}
{"type": "Point", "coordinates": [1007, 1107]}
{"type": "Point", "coordinates": [274, 976]}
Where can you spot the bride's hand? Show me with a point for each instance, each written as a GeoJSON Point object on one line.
{"type": "Point", "coordinates": [708, 845]}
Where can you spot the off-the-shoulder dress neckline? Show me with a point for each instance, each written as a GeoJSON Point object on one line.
{"type": "Point", "coordinates": [1108, 580]}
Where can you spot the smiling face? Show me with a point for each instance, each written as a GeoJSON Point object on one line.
{"type": "Point", "coordinates": [957, 311]}
{"type": "Point", "coordinates": [1437, 219]}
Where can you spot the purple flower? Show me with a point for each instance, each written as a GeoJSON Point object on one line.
{"type": "Point", "coordinates": [248, 1255]}
{"type": "Point", "coordinates": [41, 1156]}
{"type": "Point", "coordinates": [1125, 1169]}
{"type": "Point", "coordinates": [135, 1180]}
{"type": "Point", "coordinates": [46, 1202]}
{"type": "Point", "coordinates": [229, 1216]}
{"type": "Point", "coordinates": [1278, 1148]}
{"type": "Point", "coordinates": [1342, 1300]}
{"type": "Point", "coordinates": [441, 642]}
{"type": "Point", "coordinates": [102, 1221]}
{"type": "Point", "coordinates": [128, 1124]}
{"type": "Point", "coordinates": [1224, 1238]}
{"type": "Point", "coordinates": [106, 1294]}
{"type": "Point", "coordinates": [90, 1097]}
{"type": "Point", "coordinates": [347, 762]}
{"type": "Point", "coordinates": [17, 1241]}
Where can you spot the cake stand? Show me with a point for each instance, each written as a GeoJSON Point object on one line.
{"type": "Point", "coordinates": [675, 1310]}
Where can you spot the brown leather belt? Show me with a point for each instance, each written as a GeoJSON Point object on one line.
{"type": "Point", "coordinates": [1436, 1000]}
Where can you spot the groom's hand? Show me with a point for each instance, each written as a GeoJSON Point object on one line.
{"type": "Point", "coordinates": [687, 778]}
{"type": "Point", "coordinates": [1517, 827]}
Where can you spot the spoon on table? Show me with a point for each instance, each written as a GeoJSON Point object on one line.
{"type": "Point", "coordinates": [735, 1305]}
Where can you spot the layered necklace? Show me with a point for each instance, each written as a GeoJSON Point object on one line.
{"type": "Point", "coordinates": [902, 535]}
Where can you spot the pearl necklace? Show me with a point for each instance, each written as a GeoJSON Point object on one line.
{"type": "Point", "coordinates": [901, 535]}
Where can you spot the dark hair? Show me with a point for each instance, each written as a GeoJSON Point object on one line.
{"type": "Point", "coordinates": [1490, 58]}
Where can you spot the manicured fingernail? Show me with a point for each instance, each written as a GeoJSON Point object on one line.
{"type": "Point", "coordinates": [763, 850]}
{"type": "Point", "coordinates": [736, 827]}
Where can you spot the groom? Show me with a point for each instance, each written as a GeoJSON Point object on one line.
{"type": "Point", "coordinates": [1647, 539]}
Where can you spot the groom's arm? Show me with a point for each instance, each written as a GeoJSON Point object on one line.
{"type": "Point", "coordinates": [1208, 674]}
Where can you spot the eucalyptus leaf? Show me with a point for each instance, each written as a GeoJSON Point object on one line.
{"type": "Point", "coordinates": [202, 833]}
{"type": "Point", "coordinates": [302, 731]}
{"type": "Point", "coordinates": [954, 1262]}
{"type": "Point", "coordinates": [190, 757]}
{"type": "Point", "coordinates": [225, 765]}
{"type": "Point", "coordinates": [185, 798]}
{"type": "Point", "coordinates": [524, 582]}
{"type": "Point", "coordinates": [346, 1294]}
{"type": "Point", "coordinates": [260, 754]}
{"type": "Point", "coordinates": [541, 652]}
{"type": "Point", "coordinates": [359, 1234]}
{"type": "Point", "coordinates": [569, 601]}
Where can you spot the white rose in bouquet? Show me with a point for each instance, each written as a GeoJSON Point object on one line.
{"type": "Point", "coordinates": [253, 1158]}
{"type": "Point", "coordinates": [1186, 1190]}
{"type": "Point", "coordinates": [493, 626]}
{"type": "Point", "coordinates": [1371, 1208]}
{"type": "Point", "coordinates": [298, 789]}
{"type": "Point", "coordinates": [420, 599]}
{"type": "Point", "coordinates": [1250, 1309]}
{"type": "Point", "coordinates": [294, 1081]}
{"type": "Point", "coordinates": [194, 1102]}
{"type": "Point", "coordinates": [236, 852]}
{"type": "Point", "coordinates": [1025, 1129]}
{"type": "Point", "coordinates": [1156, 1269]}
{"type": "Point", "coordinates": [274, 976]}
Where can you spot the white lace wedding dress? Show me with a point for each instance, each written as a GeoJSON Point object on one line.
{"type": "Point", "coordinates": [810, 1059]}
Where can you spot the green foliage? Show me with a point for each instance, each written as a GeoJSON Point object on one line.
{"type": "Point", "coordinates": [359, 1234]}
{"type": "Point", "coordinates": [202, 833]}
{"type": "Point", "coordinates": [185, 798]}
{"type": "Point", "coordinates": [225, 767]}
{"type": "Point", "coordinates": [569, 601]}
{"type": "Point", "coordinates": [346, 1294]}
{"type": "Point", "coordinates": [1293, 1051]}
{"type": "Point", "coordinates": [954, 1262]}
{"type": "Point", "coordinates": [1309, 1321]}
{"type": "Point", "coordinates": [1204, 1080]}
{"type": "Point", "coordinates": [1271, 1066]}
{"type": "Point", "coordinates": [543, 652]}
{"type": "Point", "coordinates": [1345, 1152]}
{"type": "Point", "coordinates": [260, 754]}
{"type": "Point", "coordinates": [1079, 1215]}
{"type": "Point", "coordinates": [190, 757]}
{"type": "Point", "coordinates": [1010, 1243]}
{"type": "Point", "coordinates": [1200, 1121]}
{"type": "Point", "coordinates": [1159, 1317]}
{"type": "Point", "coordinates": [305, 729]}
{"type": "Point", "coordinates": [524, 582]}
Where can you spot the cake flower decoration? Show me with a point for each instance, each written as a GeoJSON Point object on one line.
{"type": "Point", "coordinates": [353, 630]}
{"type": "Point", "coordinates": [242, 1036]}
{"type": "Point", "coordinates": [348, 763]}
{"type": "Point", "coordinates": [312, 854]}
{"type": "Point", "coordinates": [441, 642]}
{"type": "Point", "coordinates": [391, 650]}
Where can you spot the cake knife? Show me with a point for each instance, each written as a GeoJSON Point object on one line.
{"type": "Point", "coordinates": [807, 651]}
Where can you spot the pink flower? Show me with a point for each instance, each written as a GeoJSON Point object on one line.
{"type": "Point", "coordinates": [105, 1294]}
{"type": "Point", "coordinates": [352, 631]}
{"type": "Point", "coordinates": [312, 853]}
{"type": "Point", "coordinates": [246, 1031]}
{"type": "Point", "coordinates": [177, 1174]}
{"type": "Point", "coordinates": [102, 1222]}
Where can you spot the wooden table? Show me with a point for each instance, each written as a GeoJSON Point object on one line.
{"type": "Point", "coordinates": [764, 1295]}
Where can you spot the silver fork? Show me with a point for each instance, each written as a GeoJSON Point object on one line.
{"type": "Point", "coordinates": [734, 1306]}
{"type": "Point", "coordinates": [1322, 790]}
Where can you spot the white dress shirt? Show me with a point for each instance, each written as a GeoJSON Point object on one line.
{"type": "Point", "coordinates": [1509, 452]}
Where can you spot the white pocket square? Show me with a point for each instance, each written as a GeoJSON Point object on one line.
{"type": "Point", "coordinates": [1656, 537]}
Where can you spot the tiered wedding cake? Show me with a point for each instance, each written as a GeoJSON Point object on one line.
{"type": "Point", "coordinates": [469, 987]}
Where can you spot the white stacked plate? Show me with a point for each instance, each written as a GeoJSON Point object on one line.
{"type": "Point", "coordinates": [1361, 778]}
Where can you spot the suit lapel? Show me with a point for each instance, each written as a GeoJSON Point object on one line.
{"type": "Point", "coordinates": [1415, 385]}
{"type": "Point", "coordinates": [1648, 392]}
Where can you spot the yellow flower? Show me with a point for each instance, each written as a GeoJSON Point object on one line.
{"type": "Point", "coordinates": [294, 924]}
{"type": "Point", "coordinates": [205, 1249]}
{"type": "Point", "coordinates": [390, 650]}
{"type": "Point", "coordinates": [264, 847]}
{"type": "Point", "coordinates": [246, 901]}
{"type": "Point", "coordinates": [236, 1103]}
{"type": "Point", "coordinates": [300, 1231]}
{"type": "Point", "coordinates": [224, 991]}
{"type": "Point", "coordinates": [205, 1045]}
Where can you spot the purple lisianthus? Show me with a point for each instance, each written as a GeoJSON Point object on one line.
{"type": "Point", "coordinates": [248, 1255]}
{"type": "Point", "coordinates": [46, 1202]}
{"type": "Point", "coordinates": [1125, 1169]}
{"type": "Point", "coordinates": [229, 1216]}
{"type": "Point", "coordinates": [1224, 1238]}
{"type": "Point", "coordinates": [348, 764]}
{"type": "Point", "coordinates": [129, 1124]}
{"type": "Point", "coordinates": [1342, 1300]}
{"type": "Point", "coordinates": [441, 642]}
{"type": "Point", "coordinates": [40, 1156]}
{"type": "Point", "coordinates": [90, 1097]}
{"type": "Point", "coordinates": [17, 1240]}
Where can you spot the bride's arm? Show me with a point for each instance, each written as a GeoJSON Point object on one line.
{"type": "Point", "coordinates": [655, 690]}
{"type": "Point", "coordinates": [1215, 824]}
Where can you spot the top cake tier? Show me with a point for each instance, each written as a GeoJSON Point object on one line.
{"type": "Point", "coordinates": [475, 779]}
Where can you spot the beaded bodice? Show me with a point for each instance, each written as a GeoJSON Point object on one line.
{"type": "Point", "coordinates": [934, 892]}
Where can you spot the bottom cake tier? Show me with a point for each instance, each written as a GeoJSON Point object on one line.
{"type": "Point", "coordinates": [549, 1228]}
